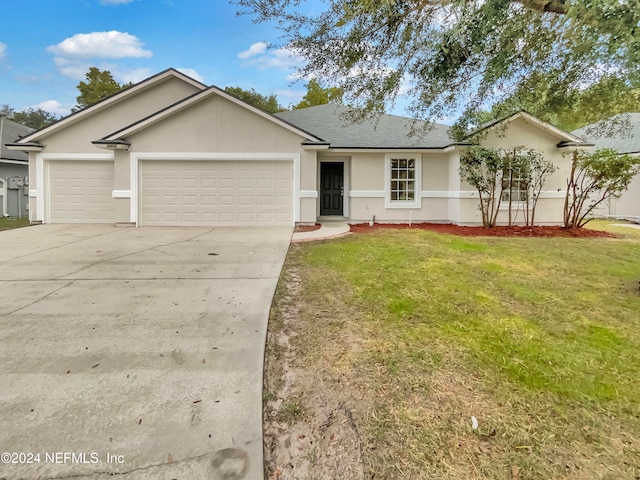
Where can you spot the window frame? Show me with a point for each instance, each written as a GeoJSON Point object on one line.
{"type": "Point", "coordinates": [417, 200]}
{"type": "Point", "coordinates": [517, 192]}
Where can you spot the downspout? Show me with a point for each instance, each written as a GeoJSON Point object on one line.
{"type": "Point", "coordinates": [4, 197]}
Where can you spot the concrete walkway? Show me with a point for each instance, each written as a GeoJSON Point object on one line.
{"type": "Point", "coordinates": [139, 351]}
{"type": "Point", "coordinates": [327, 230]}
{"type": "Point", "coordinates": [627, 225]}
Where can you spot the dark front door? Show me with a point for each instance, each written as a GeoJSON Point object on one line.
{"type": "Point", "coordinates": [331, 188]}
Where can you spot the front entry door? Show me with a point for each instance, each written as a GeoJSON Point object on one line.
{"type": "Point", "coordinates": [331, 188]}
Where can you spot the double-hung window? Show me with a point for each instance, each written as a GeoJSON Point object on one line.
{"type": "Point", "coordinates": [514, 187]}
{"type": "Point", "coordinates": [402, 181]}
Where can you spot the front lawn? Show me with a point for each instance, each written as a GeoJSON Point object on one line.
{"type": "Point", "coordinates": [414, 332]}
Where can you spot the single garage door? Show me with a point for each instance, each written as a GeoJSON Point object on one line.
{"type": "Point", "coordinates": [216, 192]}
{"type": "Point", "coordinates": [81, 191]}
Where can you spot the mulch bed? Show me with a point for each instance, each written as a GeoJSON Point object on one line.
{"type": "Point", "coordinates": [307, 228]}
{"type": "Point", "coordinates": [499, 231]}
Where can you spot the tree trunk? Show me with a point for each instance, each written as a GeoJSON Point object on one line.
{"type": "Point", "coordinates": [510, 195]}
{"type": "Point", "coordinates": [569, 199]}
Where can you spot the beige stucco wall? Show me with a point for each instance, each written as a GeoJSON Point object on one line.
{"type": "Point", "coordinates": [368, 175]}
{"type": "Point", "coordinates": [367, 171]}
{"type": "Point", "coordinates": [77, 137]}
{"type": "Point", "coordinates": [435, 172]}
{"type": "Point", "coordinates": [216, 125]}
{"type": "Point", "coordinates": [629, 203]}
{"type": "Point", "coordinates": [445, 196]}
{"type": "Point", "coordinates": [522, 132]}
{"type": "Point", "coordinates": [431, 210]}
{"type": "Point", "coordinates": [548, 212]}
{"type": "Point", "coordinates": [308, 210]}
{"type": "Point", "coordinates": [122, 172]}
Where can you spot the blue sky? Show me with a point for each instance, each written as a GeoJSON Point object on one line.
{"type": "Point", "coordinates": [46, 47]}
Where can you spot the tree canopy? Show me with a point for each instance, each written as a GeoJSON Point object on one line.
{"type": "Point", "coordinates": [317, 95]}
{"type": "Point", "coordinates": [35, 118]}
{"type": "Point", "coordinates": [99, 84]}
{"type": "Point", "coordinates": [268, 103]}
{"type": "Point", "coordinates": [596, 104]}
{"type": "Point", "coordinates": [458, 57]}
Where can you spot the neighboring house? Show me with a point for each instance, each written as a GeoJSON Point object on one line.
{"type": "Point", "coordinates": [171, 151]}
{"type": "Point", "coordinates": [628, 205]}
{"type": "Point", "coordinates": [14, 169]}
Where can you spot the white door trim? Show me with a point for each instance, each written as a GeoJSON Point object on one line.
{"type": "Point", "coordinates": [134, 165]}
{"type": "Point", "coordinates": [42, 177]}
{"type": "Point", "coordinates": [346, 169]}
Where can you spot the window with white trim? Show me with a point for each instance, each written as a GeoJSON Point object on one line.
{"type": "Point", "coordinates": [402, 177]}
{"type": "Point", "coordinates": [518, 191]}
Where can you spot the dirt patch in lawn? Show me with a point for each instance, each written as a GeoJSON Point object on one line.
{"type": "Point", "coordinates": [309, 405]}
{"type": "Point", "coordinates": [499, 231]}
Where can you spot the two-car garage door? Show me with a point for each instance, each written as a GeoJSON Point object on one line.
{"type": "Point", "coordinates": [177, 192]}
{"type": "Point", "coordinates": [216, 192]}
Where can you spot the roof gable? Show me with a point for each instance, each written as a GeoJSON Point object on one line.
{"type": "Point", "coordinates": [109, 101]}
{"type": "Point", "coordinates": [193, 100]}
{"type": "Point", "coordinates": [563, 136]}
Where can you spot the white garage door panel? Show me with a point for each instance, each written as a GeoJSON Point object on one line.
{"type": "Point", "coordinates": [217, 192]}
{"type": "Point", "coordinates": [80, 192]}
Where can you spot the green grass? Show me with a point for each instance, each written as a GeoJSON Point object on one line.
{"type": "Point", "coordinates": [10, 223]}
{"type": "Point", "coordinates": [533, 310]}
{"type": "Point", "coordinates": [291, 411]}
{"type": "Point", "coordinates": [538, 337]}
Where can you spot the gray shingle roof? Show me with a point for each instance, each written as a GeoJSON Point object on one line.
{"type": "Point", "coordinates": [391, 131]}
{"type": "Point", "coordinates": [622, 143]}
{"type": "Point", "coordinates": [11, 132]}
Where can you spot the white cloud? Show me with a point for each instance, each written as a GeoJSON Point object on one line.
{"type": "Point", "coordinates": [192, 73]}
{"type": "Point", "coordinates": [75, 55]}
{"type": "Point", "coordinates": [111, 44]}
{"type": "Point", "coordinates": [3, 50]}
{"type": "Point", "coordinates": [70, 68]}
{"type": "Point", "coordinates": [255, 49]}
{"type": "Point", "coordinates": [259, 55]}
{"type": "Point", "coordinates": [54, 106]}
{"type": "Point", "coordinates": [134, 75]}
{"type": "Point", "coordinates": [281, 58]}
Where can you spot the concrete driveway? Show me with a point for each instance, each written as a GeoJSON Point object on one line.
{"type": "Point", "coordinates": [134, 351]}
